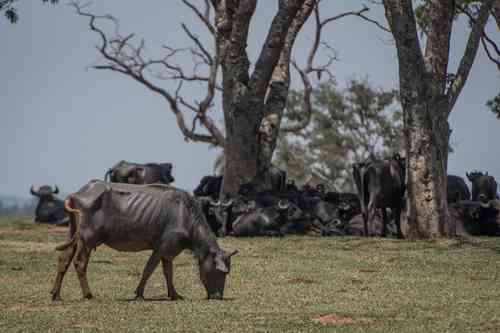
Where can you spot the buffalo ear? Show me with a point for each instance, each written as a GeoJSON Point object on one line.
{"type": "Point", "coordinates": [230, 254]}
{"type": "Point", "coordinates": [88, 198]}
{"type": "Point", "coordinates": [220, 263]}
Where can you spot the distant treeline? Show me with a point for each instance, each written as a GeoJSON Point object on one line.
{"type": "Point", "coordinates": [27, 208]}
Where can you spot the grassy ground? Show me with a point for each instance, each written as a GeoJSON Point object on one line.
{"type": "Point", "coordinates": [293, 284]}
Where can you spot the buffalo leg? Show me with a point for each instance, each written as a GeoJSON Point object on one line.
{"type": "Point", "coordinates": [150, 267]}
{"type": "Point", "coordinates": [369, 219]}
{"type": "Point", "coordinates": [168, 272]}
{"type": "Point", "coordinates": [384, 222]}
{"type": "Point", "coordinates": [81, 262]}
{"type": "Point", "coordinates": [397, 219]}
{"type": "Point", "coordinates": [64, 261]}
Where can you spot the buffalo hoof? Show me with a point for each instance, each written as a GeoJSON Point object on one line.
{"type": "Point", "coordinates": [88, 296]}
{"type": "Point", "coordinates": [56, 297]}
{"type": "Point", "coordinates": [176, 297]}
{"type": "Point", "coordinates": [139, 298]}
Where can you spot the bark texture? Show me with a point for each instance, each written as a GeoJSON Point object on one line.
{"type": "Point", "coordinates": [428, 97]}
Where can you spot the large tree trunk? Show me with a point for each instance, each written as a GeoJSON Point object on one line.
{"type": "Point", "coordinates": [426, 138]}
{"type": "Point", "coordinates": [242, 148]}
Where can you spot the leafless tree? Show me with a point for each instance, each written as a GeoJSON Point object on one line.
{"type": "Point", "coordinates": [252, 99]}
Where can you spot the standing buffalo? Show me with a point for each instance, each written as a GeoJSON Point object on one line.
{"type": "Point", "coordinates": [381, 184]}
{"type": "Point", "coordinates": [484, 187]}
{"type": "Point", "coordinates": [137, 218]}
{"type": "Point", "coordinates": [135, 173]}
{"type": "Point", "coordinates": [49, 208]}
{"type": "Point", "coordinates": [457, 189]}
{"type": "Point", "coordinates": [209, 186]}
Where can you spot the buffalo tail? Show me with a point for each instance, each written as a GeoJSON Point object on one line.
{"type": "Point", "coordinates": [74, 222]}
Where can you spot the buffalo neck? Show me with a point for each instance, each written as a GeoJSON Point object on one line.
{"type": "Point", "coordinates": [201, 238]}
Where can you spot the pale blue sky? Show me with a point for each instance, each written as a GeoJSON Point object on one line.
{"type": "Point", "coordinates": [64, 124]}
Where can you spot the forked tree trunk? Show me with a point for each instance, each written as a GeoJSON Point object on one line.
{"type": "Point", "coordinates": [426, 139]}
{"type": "Point", "coordinates": [427, 102]}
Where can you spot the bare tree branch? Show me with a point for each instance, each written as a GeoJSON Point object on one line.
{"type": "Point", "coordinates": [469, 54]}
{"type": "Point", "coordinates": [204, 17]}
{"type": "Point", "coordinates": [122, 56]}
{"type": "Point", "coordinates": [311, 68]}
{"type": "Point", "coordinates": [485, 39]}
{"type": "Point", "coordinates": [273, 46]}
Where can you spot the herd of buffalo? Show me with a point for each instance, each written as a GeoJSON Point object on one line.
{"type": "Point", "coordinates": [136, 209]}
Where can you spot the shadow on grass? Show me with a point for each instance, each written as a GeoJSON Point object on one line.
{"type": "Point", "coordinates": [166, 299]}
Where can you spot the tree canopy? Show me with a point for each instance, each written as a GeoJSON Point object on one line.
{"type": "Point", "coordinates": [10, 10]}
{"type": "Point", "coordinates": [347, 125]}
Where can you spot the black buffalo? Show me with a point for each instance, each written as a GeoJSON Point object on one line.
{"type": "Point", "coordinates": [264, 221]}
{"type": "Point", "coordinates": [136, 173]}
{"type": "Point", "coordinates": [484, 186]}
{"type": "Point", "coordinates": [457, 189]}
{"type": "Point", "coordinates": [137, 218]}
{"type": "Point", "coordinates": [49, 209]}
{"type": "Point", "coordinates": [381, 184]}
{"type": "Point", "coordinates": [355, 226]}
{"type": "Point", "coordinates": [210, 186]}
{"type": "Point", "coordinates": [475, 218]}
{"type": "Point", "coordinates": [225, 212]}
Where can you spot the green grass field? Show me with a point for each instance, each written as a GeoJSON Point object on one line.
{"type": "Point", "coordinates": [291, 284]}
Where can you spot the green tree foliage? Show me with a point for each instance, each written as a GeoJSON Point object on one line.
{"type": "Point", "coordinates": [346, 126]}
{"type": "Point", "coordinates": [494, 105]}
{"type": "Point", "coordinates": [10, 10]}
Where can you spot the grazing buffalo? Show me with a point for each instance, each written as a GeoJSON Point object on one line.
{"type": "Point", "coordinates": [137, 218]}
{"type": "Point", "coordinates": [484, 187]}
{"type": "Point", "coordinates": [49, 208]}
{"type": "Point", "coordinates": [381, 184]}
{"type": "Point", "coordinates": [209, 186]}
{"type": "Point", "coordinates": [135, 173]}
{"type": "Point", "coordinates": [457, 189]}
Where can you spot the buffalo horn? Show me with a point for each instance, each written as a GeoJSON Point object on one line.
{"type": "Point", "coordinates": [33, 191]}
{"type": "Point", "coordinates": [485, 204]}
{"type": "Point", "coordinates": [283, 206]}
{"type": "Point", "coordinates": [56, 189]}
{"type": "Point", "coordinates": [228, 203]}
{"type": "Point", "coordinates": [215, 203]}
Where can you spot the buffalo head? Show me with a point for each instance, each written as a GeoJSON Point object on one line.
{"type": "Point", "coordinates": [484, 186]}
{"type": "Point", "coordinates": [214, 268]}
{"type": "Point", "coordinates": [44, 191]}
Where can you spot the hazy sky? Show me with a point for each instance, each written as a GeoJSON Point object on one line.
{"type": "Point", "coordinates": [62, 123]}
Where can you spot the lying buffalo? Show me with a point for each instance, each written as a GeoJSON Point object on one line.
{"type": "Point", "coordinates": [457, 189]}
{"type": "Point", "coordinates": [475, 218]}
{"type": "Point", "coordinates": [49, 208]}
{"type": "Point", "coordinates": [265, 221]}
{"type": "Point", "coordinates": [484, 186]}
{"type": "Point", "coordinates": [136, 173]}
{"type": "Point", "coordinates": [137, 218]}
